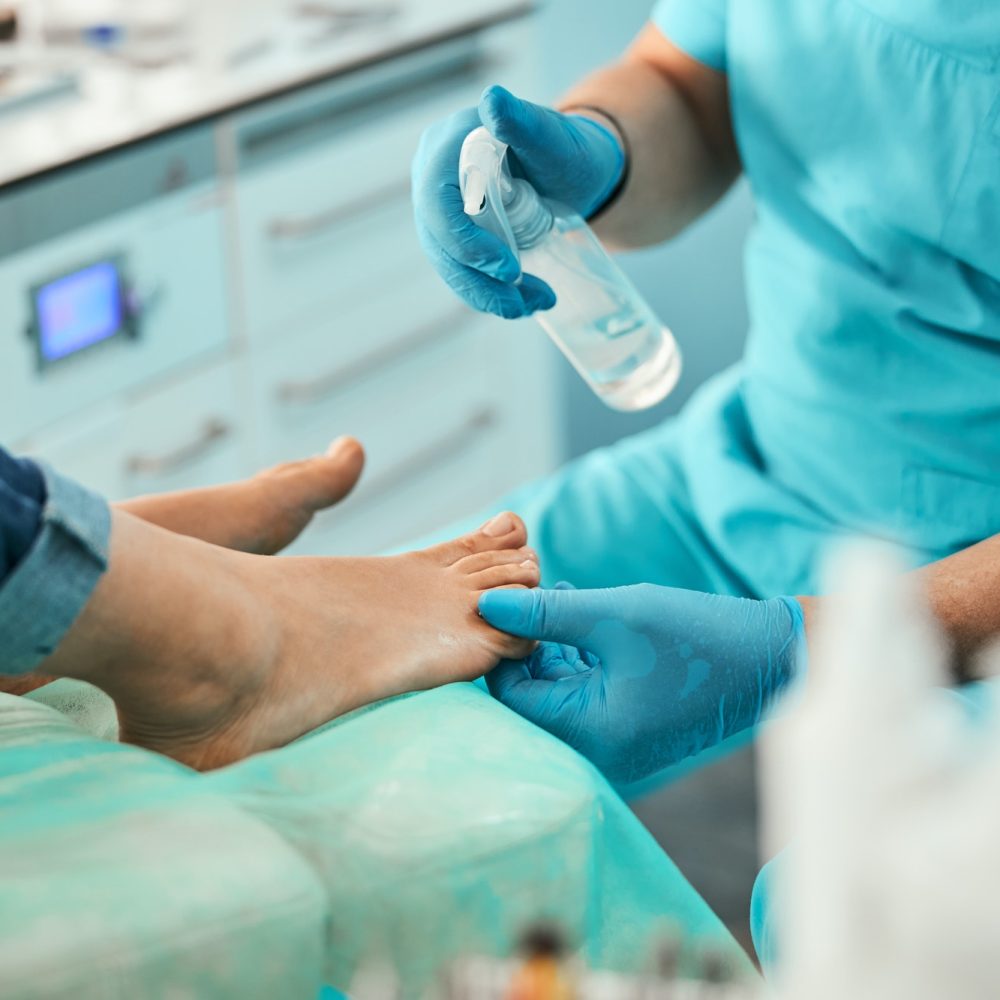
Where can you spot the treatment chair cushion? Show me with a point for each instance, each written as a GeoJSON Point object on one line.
{"type": "Point", "coordinates": [442, 824]}
{"type": "Point", "coordinates": [123, 877]}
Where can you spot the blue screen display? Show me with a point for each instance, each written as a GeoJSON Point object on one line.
{"type": "Point", "coordinates": [79, 310]}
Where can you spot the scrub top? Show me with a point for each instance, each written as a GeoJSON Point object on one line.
{"type": "Point", "coordinates": [869, 395]}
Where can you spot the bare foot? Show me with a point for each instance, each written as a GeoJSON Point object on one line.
{"type": "Point", "coordinates": [335, 634]}
{"type": "Point", "coordinates": [264, 514]}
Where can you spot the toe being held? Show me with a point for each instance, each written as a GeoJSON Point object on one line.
{"type": "Point", "coordinates": [520, 572]}
{"type": "Point", "coordinates": [480, 561]}
{"type": "Point", "coordinates": [505, 530]}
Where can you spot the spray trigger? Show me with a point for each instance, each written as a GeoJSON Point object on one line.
{"type": "Point", "coordinates": [474, 192]}
{"type": "Point", "coordinates": [486, 184]}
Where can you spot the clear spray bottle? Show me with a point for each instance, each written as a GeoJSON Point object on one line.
{"type": "Point", "coordinates": [600, 321]}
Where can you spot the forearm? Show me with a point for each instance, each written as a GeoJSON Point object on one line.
{"type": "Point", "coordinates": [964, 593]}
{"type": "Point", "coordinates": [675, 116]}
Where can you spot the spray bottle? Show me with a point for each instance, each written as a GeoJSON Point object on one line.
{"type": "Point", "coordinates": [600, 321]}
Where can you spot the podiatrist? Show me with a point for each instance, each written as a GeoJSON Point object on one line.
{"type": "Point", "coordinates": [868, 398]}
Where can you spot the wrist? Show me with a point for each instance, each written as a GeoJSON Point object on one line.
{"type": "Point", "coordinates": [597, 116]}
{"type": "Point", "coordinates": [608, 131]}
{"type": "Point", "coordinates": [793, 644]}
{"type": "Point", "coordinates": [807, 608]}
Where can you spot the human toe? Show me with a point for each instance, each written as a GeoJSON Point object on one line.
{"type": "Point", "coordinates": [479, 561]}
{"type": "Point", "coordinates": [323, 480]}
{"type": "Point", "coordinates": [512, 647]}
{"type": "Point", "coordinates": [330, 477]}
{"type": "Point", "coordinates": [504, 531]}
{"type": "Point", "coordinates": [524, 573]}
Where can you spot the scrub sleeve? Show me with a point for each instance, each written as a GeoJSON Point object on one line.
{"type": "Point", "coordinates": [696, 26]}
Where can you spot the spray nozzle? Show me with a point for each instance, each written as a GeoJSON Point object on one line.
{"type": "Point", "coordinates": [487, 185]}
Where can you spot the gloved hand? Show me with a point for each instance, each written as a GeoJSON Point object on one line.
{"type": "Point", "coordinates": [566, 157]}
{"type": "Point", "coordinates": [638, 678]}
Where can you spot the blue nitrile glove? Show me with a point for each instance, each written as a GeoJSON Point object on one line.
{"type": "Point", "coordinates": [566, 157]}
{"type": "Point", "coordinates": [638, 678]}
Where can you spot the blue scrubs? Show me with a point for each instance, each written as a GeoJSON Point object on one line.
{"type": "Point", "coordinates": [869, 396]}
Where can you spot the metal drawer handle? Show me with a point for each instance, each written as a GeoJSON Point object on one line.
{"type": "Point", "coordinates": [464, 436]}
{"type": "Point", "coordinates": [317, 389]}
{"type": "Point", "coordinates": [296, 229]}
{"type": "Point", "coordinates": [211, 433]}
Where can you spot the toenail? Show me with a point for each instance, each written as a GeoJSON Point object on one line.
{"type": "Point", "coordinates": [530, 564]}
{"type": "Point", "coordinates": [498, 526]}
{"type": "Point", "coordinates": [340, 446]}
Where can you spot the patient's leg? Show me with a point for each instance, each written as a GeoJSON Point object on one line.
{"type": "Point", "coordinates": [352, 631]}
{"type": "Point", "coordinates": [264, 513]}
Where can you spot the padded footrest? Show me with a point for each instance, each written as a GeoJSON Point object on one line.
{"type": "Point", "coordinates": [442, 824]}
{"type": "Point", "coordinates": [124, 877]}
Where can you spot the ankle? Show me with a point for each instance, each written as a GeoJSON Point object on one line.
{"type": "Point", "coordinates": [173, 617]}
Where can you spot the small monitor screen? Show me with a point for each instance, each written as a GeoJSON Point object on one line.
{"type": "Point", "coordinates": [78, 311]}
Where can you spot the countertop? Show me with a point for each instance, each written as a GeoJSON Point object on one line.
{"type": "Point", "coordinates": [116, 105]}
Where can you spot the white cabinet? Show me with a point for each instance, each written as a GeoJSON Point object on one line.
{"type": "Point", "coordinates": [322, 197]}
{"type": "Point", "coordinates": [285, 301]}
{"type": "Point", "coordinates": [351, 331]}
{"type": "Point", "coordinates": [389, 370]}
{"type": "Point", "coordinates": [407, 375]}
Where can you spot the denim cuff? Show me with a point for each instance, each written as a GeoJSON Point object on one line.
{"type": "Point", "coordinates": [48, 589]}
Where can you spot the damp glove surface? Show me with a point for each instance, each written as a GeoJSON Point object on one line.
{"type": "Point", "coordinates": [639, 678]}
{"type": "Point", "coordinates": [566, 157]}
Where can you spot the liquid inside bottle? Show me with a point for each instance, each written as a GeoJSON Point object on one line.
{"type": "Point", "coordinates": [600, 321]}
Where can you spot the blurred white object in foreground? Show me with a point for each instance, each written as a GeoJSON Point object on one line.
{"type": "Point", "coordinates": [888, 792]}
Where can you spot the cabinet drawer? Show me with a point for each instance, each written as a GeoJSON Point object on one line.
{"type": "Point", "coordinates": [333, 218]}
{"type": "Point", "coordinates": [188, 434]}
{"type": "Point", "coordinates": [391, 395]}
{"type": "Point", "coordinates": [442, 480]}
{"type": "Point", "coordinates": [350, 343]}
{"type": "Point", "coordinates": [325, 259]}
{"type": "Point", "coordinates": [420, 400]}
